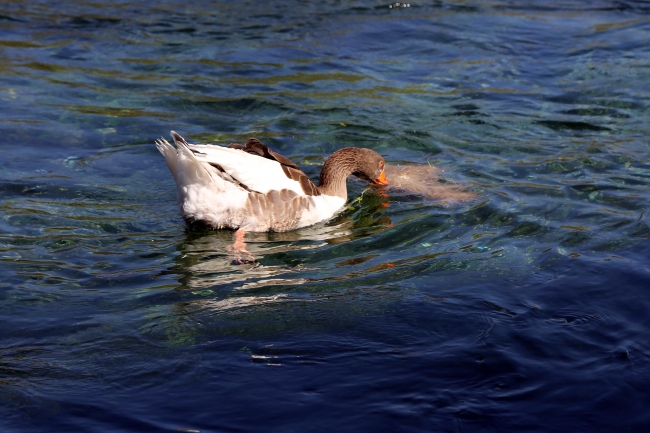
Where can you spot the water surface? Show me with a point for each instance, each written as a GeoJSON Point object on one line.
{"type": "Point", "coordinates": [524, 309]}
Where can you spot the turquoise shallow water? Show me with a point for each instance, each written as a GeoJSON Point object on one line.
{"type": "Point", "coordinates": [523, 309]}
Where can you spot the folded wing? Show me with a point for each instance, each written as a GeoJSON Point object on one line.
{"type": "Point", "coordinates": [254, 166]}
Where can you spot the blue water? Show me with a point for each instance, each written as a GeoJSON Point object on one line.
{"type": "Point", "coordinates": [524, 309]}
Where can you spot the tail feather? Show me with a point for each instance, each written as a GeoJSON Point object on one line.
{"type": "Point", "coordinates": [171, 155]}
{"type": "Point", "coordinates": [185, 167]}
{"type": "Point", "coordinates": [204, 193]}
{"type": "Point", "coordinates": [180, 141]}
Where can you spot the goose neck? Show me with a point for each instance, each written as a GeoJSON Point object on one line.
{"type": "Point", "coordinates": [335, 172]}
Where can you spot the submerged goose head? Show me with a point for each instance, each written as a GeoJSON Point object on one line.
{"type": "Point", "coordinates": [360, 162]}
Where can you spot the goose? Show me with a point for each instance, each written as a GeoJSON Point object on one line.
{"type": "Point", "coordinates": [252, 188]}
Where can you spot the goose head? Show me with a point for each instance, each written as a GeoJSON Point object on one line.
{"type": "Point", "coordinates": [360, 162]}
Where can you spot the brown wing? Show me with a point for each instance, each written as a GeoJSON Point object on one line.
{"type": "Point", "coordinates": [256, 147]}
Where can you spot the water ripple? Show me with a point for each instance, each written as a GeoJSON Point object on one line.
{"type": "Point", "coordinates": [498, 280]}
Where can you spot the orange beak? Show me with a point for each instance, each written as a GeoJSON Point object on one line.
{"type": "Point", "coordinates": [382, 179]}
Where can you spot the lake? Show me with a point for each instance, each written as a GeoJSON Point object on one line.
{"type": "Point", "coordinates": [522, 307]}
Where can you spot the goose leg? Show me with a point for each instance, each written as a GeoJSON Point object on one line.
{"type": "Point", "coordinates": [237, 251]}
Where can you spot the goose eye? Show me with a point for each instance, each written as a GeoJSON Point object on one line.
{"type": "Point", "coordinates": [381, 164]}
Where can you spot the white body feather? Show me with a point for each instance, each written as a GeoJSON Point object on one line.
{"type": "Point", "coordinates": [205, 194]}
{"type": "Point", "coordinates": [257, 173]}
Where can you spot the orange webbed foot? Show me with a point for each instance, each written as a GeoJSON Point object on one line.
{"type": "Point", "coordinates": [237, 251]}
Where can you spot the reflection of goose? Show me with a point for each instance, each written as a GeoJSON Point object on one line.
{"type": "Point", "coordinates": [252, 188]}
{"type": "Point", "coordinates": [205, 265]}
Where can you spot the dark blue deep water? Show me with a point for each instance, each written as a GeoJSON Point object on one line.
{"type": "Point", "coordinates": [525, 309]}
